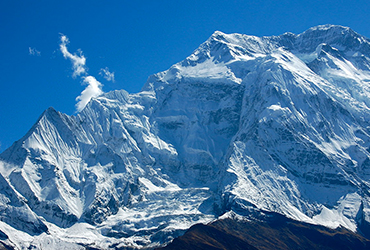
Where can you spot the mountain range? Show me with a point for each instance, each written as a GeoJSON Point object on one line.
{"type": "Point", "coordinates": [243, 126]}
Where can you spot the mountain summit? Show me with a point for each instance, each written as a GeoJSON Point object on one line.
{"type": "Point", "coordinates": [244, 125]}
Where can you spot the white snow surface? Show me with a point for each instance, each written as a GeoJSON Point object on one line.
{"type": "Point", "coordinates": [244, 124]}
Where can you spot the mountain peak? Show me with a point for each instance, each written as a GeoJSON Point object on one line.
{"type": "Point", "coordinates": [244, 125]}
{"type": "Point", "coordinates": [333, 33]}
{"type": "Point", "coordinates": [332, 27]}
{"type": "Point", "coordinates": [222, 56]}
{"type": "Point", "coordinates": [218, 33]}
{"type": "Point", "coordinates": [340, 37]}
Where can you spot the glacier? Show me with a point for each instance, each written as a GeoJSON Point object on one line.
{"type": "Point", "coordinates": [245, 124]}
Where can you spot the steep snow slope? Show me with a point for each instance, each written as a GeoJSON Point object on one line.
{"type": "Point", "coordinates": [244, 123]}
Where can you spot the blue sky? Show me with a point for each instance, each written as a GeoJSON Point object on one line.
{"type": "Point", "coordinates": [130, 39]}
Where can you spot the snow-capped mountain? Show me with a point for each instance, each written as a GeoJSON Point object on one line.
{"type": "Point", "coordinates": [244, 124]}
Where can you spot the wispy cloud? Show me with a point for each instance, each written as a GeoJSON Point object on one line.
{"type": "Point", "coordinates": [78, 61]}
{"type": "Point", "coordinates": [109, 76]}
{"type": "Point", "coordinates": [94, 87]}
{"type": "Point", "coordinates": [34, 52]}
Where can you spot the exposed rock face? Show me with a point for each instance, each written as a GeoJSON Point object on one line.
{"type": "Point", "coordinates": [268, 232]}
{"type": "Point", "coordinates": [244, 124]}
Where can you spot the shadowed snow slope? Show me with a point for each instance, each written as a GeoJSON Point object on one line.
{"type": "Point", "coordinates": [244, 124]}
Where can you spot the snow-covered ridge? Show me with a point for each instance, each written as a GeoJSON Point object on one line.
{"type": "Point", "coordinates": [244, 124]}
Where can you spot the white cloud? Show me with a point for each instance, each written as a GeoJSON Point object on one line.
{"type": "Point", "coordinates": [78, 61]}
{"type": "Point", "coordinates": [109, 76]}
{"type": "Point", "coordinates": [34, 52]}
{"type": "Point", "coordinates": [93, 89]}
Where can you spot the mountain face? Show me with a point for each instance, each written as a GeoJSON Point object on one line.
{"type": "Point", "coordinates": [244, 124]}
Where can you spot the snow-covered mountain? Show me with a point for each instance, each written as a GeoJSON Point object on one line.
{"type": "Point", "coordinates": [244, 124]}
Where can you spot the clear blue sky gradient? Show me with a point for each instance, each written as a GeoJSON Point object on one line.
{"type": "Point", "coordinates": [134, 39]}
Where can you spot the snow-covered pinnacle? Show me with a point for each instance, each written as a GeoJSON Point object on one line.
{"type": "Point", "coordinates": [342, 38]}
{"type": "Point", "coordinates": [245, 124]}
{"type": "Point", "coordinates": [226, 57]}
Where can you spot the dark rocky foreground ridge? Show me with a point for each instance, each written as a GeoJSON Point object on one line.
{"type": "Point", "coordinates": [273, 231]}
{"type": "Point", "coordinates": [268, 232]}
